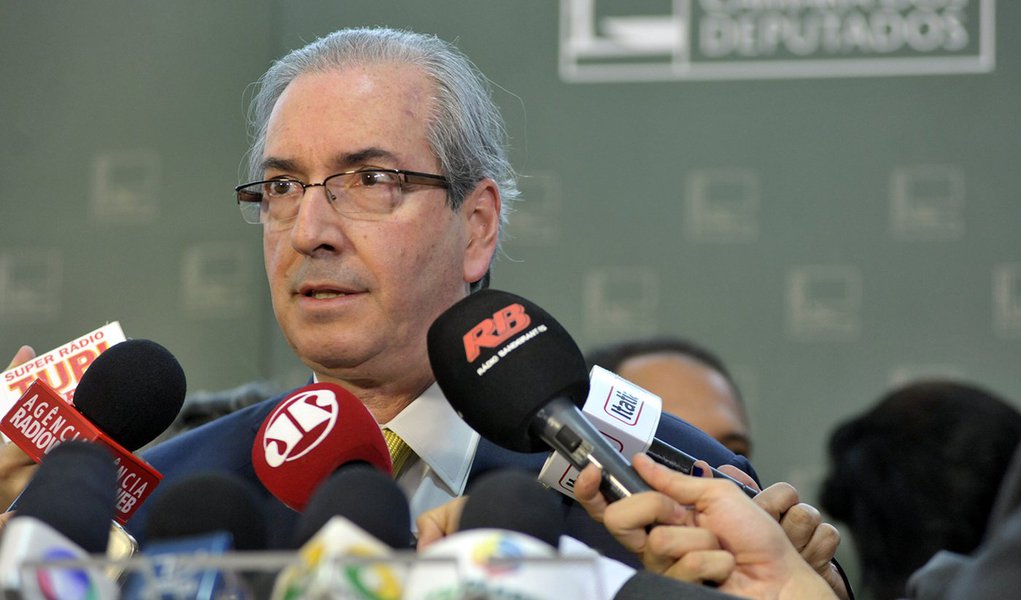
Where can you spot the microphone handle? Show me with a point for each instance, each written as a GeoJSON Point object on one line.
{"type": "Point", "coordinates": [678, 460]}
{"type": "Point", "coordinates": [561, 425]}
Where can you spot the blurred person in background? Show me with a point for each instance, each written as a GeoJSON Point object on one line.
{"type": "Point", "coordinates": [916, 474]}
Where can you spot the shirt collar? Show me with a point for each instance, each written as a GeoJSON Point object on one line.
{"type": "Point", "coordinates": [438, 436]}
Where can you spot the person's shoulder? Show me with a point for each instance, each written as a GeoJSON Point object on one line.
{"type": "Point", "coordinates": [233, 430]}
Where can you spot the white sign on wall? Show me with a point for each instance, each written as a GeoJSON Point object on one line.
{"type": "Point", "coordinates": [621, 40]}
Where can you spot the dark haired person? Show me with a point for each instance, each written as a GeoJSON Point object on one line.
{"type": "Point", "coordinates": [918, 473]}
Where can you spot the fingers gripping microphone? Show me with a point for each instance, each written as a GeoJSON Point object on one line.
{"type": "Point", "coordinates": [514, 375]}
{"type": "Point", "coordinates": [313, 432]}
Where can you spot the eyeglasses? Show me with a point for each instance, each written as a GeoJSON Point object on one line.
{"type": "Point", "coordinates": [363, 193]}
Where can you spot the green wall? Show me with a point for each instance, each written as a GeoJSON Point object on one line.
{"type": "Point", "coordinates": [830, 223]}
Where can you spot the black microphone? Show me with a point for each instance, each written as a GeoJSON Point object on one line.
{"type": "Point", "coordinates": [204, 503]}
{"type": "Point", "coordinates": [365, 496]}
{"type": "Point", "coordinates": [357, 513]}
{"type": "Point", "coordinates": [132, 392]}
{"type": "Point", "coordinates": [506, 546]}
{"type": "Point", "coordinates": [512, 500]}
{"type": "Point", "coordinates": [73, 492]}
{"type": "Point", "coordinates": [65, 514]}
{"type": "Point", "coordinates": [515, 376]}
{"type": "Point", "coordinates": [195, 522]}
{"type": "Point", "coordinates": [645, 585]}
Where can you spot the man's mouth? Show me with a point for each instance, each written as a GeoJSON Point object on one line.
{"type": "Point", "coordinates": [324, 294]}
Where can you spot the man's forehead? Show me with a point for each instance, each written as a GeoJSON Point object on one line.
{"type": "Point", "coordinates": [348, 118]}
{"type": "Point", "coordinates": [372, 155]}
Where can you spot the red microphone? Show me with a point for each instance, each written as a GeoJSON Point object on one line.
{"type": "Point", "coordinates": [313, 432]}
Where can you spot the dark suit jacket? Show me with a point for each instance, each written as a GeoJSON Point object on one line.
{"type": "Point", "coordinates": [225, 445]}
{"type": "Point", "coordinates": [992, 570]}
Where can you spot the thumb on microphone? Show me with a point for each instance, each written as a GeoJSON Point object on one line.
{"type": "Point", "coordinates": [23, 355]}
{"type": "Point", "coordinates": [437, 523]}
{"type": "Point", "coordinates": [16, 470]}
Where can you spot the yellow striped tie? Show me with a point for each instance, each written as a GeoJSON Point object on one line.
{"type": "Point", "coordinates": [400, 451]}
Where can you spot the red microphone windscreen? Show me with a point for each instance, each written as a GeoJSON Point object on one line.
{"type": "Point", "coordinates": [309, 435]}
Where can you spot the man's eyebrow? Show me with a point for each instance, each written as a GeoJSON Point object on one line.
{"type": "Point", "coordinates": [360, 157]}
{"type": "Point", "coordinates": [278, 164]}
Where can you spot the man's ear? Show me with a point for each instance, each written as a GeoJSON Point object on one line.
{"type": "Point", "coordinates": [481, 212]}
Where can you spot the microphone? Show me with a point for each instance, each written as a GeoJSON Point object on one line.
{"type": "Point", "coordinates": [497, 346]}
{"type": "Point", "coordinates": [646, 585]}
{"type": "Point", "coordinates": [313, 432]}
{"type": "Point", "coordinates": [347, 533]}
{"type": "Point", "coordinates": [205, 503]}
{"type": "Point", "coordinates": [506, 547]}
{"type": "Point", "coordinates": [512, 500]}
{"type": "Point", "coordinates": [365, 496]}
{"type": "Point", "coordinates": [204, 514]}
{"type": "Point", "coordinates": [628, 416]}
{"type": "Point", "coordinates": [64, 514]}
{"type": "Point", "coordinates": [127, 397]}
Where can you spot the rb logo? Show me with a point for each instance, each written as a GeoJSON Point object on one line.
{"type": "Point", "coordinates": [490, 333]}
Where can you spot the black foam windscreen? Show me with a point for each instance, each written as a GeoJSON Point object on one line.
{"type": "Point", "coordinates": [74, 491]}
{"type": "Point", "coordinates": [513, 500]}
{"type": "Point", "coordinates": [205, 503]}
{"type": "Point", "coordinates": [364, 496]}
{"type": "Point", "coordinates": [499, 358]}
{"type": "Point", "coordinates": [132, 392]}
{"type": "Point", "coordinates": [646, 585]}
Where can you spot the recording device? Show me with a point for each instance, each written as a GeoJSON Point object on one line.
{"type": "Point", "coordinates": [348, 533]}
{"type": "Point", "coordinates": [313, 432]}
{"type": "Point", "coordinates": [127, 397]}
{"type": "Point", "coordinates": [506, 547]}
{"type": "Point", "coordinates": [205, 514]}
{"type": "Point", "coordinates": [63, 514]}
{"type": "Point", "coordinates": [514, 375]}
{"type": "Point", "coordinates": [628, 416]}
